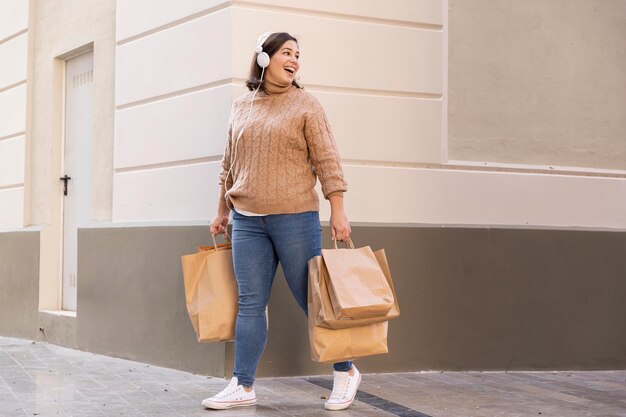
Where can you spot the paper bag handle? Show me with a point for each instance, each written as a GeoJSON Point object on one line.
{"type": "Point", "coordinates": [215, 241]}
{"type": "Point", "coordinates": [348, 243]}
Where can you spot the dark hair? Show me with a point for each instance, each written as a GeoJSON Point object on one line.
{"type": "Point", "coordinates": [270, 47]}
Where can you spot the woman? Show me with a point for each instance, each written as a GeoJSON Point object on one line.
{"type": "Point", "coordinates": [279, 143]}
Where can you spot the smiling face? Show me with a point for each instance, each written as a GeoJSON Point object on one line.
{"type": "Point", "coordinates": [284, 64]}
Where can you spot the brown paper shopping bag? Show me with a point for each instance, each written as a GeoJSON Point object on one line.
{"type": "Point", "coordinates": [356, 283]}
{"type": "Point", "coordinates": [323, 312]}
{"type": "Point", "coordinates": [211, 292]}
{"type": "Point", "coordinates": [336, 345]}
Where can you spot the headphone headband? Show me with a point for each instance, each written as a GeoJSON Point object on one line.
{"type": "Point", "coordinates": [260, 41]}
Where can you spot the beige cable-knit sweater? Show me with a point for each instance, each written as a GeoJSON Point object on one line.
{"type": "Point", "coordinates": [285, 145]}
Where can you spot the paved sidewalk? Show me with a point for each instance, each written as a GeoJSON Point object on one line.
{"type": "Point", "coordinates": [37, 379]}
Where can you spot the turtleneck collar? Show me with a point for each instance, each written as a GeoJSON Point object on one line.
{"type": "Point", "coordinates": [271, 88]}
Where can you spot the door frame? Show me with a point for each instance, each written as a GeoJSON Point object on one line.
{"type": "Point", "coordinates": [51, 241]}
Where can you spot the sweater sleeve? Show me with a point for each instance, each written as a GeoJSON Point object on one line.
{"type": "Point", "coordinates": [226, 159]}
{"type": "Point", "coordinates": [323, 150]}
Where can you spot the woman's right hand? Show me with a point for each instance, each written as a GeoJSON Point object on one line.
{"type": "Point", "coordinates": [219, 223]}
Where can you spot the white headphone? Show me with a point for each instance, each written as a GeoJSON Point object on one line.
{"type": "Point", "coordinates": [263, 60]}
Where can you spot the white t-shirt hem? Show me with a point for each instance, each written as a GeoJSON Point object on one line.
{"type": "Point", "coordinates": [249, 213]}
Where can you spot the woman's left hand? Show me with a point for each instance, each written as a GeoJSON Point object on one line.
{"type": "Point", "coordinates": [339, 225]}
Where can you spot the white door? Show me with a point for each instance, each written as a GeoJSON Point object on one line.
{"type": "Point", "coordinates": [77, 166]}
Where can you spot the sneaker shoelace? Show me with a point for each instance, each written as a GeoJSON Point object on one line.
{"type": "Point", "coordinates": [227, 391]}
{"type": "Point", "coordinates": [340, 385]}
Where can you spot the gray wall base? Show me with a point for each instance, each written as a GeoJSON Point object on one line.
{"type": "Point", "coordinates": [19, 284]}
{"type": "Point", "coordinates": [131, 297]}
{"type": "Point", "coordinates": [482, 299]}
{"type": "Point", "coordinates": [471, 299]}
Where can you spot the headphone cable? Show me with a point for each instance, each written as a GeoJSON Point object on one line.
{"type": "Point", "coordinates": [236, 144]}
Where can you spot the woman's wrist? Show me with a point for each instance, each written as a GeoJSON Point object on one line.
{"type": "Point", "coordinates": [222, 207]}
{"type": "Point", "coordinates": [223, 210]}
{"type": "Point", "coordinates": [336, 202]}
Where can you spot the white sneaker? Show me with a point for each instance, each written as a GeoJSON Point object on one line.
{"type": "Point", "coordinates": [234, 395]}
{"type": "Point", "coordinates": [344, 390]}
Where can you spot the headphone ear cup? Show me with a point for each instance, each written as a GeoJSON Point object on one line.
{"type": "Point", "coordinates": [263, 60]}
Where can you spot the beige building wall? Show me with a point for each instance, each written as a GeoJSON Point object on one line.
{"type": "Point", "coordinates": [382, 76]}
{"type": "Point", "coordinates": [173, 97]}
{"type": "Point", "coordinates": [538, 82]}
{"type": "Point", "coordinates": [378, 72]}
{"type": "Point", "coordinates": [14, 84]}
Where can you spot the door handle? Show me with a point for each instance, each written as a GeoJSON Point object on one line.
{"type": "Point", "coordinates": [65, 179]}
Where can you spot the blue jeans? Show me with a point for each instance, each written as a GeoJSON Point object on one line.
{"type": "Point", "coordinates": [259, 243]}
